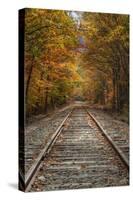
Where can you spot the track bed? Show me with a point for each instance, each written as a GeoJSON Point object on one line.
{"type": "Point", "coordinates": [81, 157]}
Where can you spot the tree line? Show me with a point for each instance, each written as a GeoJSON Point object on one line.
{"type": "Point", "coordinates": [106, 59]}
{"type": "Point", "coordinates": [50, 70]}
{"type": "Point", "coordinates": [68, 56]}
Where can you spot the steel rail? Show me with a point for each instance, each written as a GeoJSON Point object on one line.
{"type": "Point", "coordinates": [109, 139]}
{"type": "Point", "coordinates": [31, 174]}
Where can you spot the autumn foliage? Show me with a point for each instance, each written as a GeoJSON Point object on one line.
{"type": "Point", "coordinates": [106, 58]}
{"type": "Point", "coordinates": [66, 55]}
{"type": "Point", "coordinates": [50, 37]}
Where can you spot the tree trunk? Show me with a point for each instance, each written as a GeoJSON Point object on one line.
{"type": "Point", "coordinates": [46, 101]}
{"type": "Point", "coordinates": [52, 102]}
{"type": "Point", "coordinates": [29, 78]}
{"type": "Point", "coordinates": [46, 97]}
{"type": "Point", "coordinates": [114, 96]}
{"type": "Point", "coordinates": [118, 89]}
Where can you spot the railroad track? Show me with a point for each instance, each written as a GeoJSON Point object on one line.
{"type": "Point", "coordinates": [79, 155]}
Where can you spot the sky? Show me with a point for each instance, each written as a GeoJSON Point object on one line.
{"type": "Point", "coordinates": [76, 16]}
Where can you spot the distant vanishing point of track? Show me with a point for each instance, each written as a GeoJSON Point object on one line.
{"type": "Point", "coordinates": [79, 155]}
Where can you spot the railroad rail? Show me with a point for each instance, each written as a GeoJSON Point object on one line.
{"type": "Point", "coordinates": [80, 154]}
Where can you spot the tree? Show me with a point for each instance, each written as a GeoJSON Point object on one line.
{"type": "Point", "coordinates": [50, 40]}
{"type": "Point", "coordinates": [107, 52]}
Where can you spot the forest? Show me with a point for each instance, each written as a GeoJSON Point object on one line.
{"type": "Point", "coordinates": [76, 56]}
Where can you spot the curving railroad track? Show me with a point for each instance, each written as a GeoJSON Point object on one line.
{"type": "Point", "coordinates": [79, 155]}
